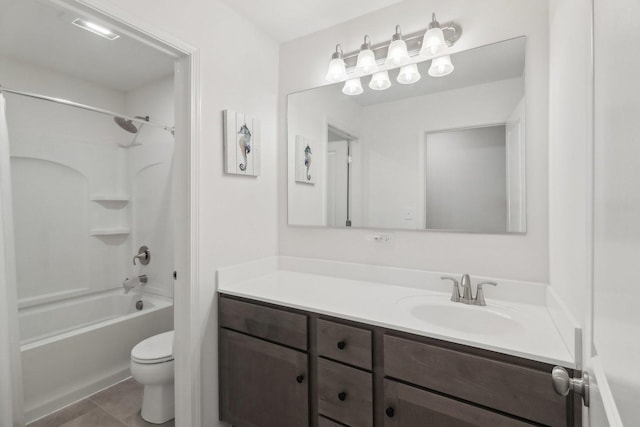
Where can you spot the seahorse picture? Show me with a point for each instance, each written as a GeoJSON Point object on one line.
{"type": "Point", "coordinates": [305, 172]}
{"type": "Point", "coordinates": [241, 144]}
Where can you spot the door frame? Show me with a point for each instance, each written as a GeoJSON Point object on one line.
{"type": "Point", "coordinates": [185, 197]}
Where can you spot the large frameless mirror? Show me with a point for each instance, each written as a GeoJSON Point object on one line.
{"type": "Point", "coordinates": [442, 153]}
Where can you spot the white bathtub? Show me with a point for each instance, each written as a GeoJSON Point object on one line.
{"type": "Point", "coordinates": [73, 348]}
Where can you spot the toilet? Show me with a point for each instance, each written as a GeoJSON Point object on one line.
{"type": "Point", "coordinates": [152, 366]}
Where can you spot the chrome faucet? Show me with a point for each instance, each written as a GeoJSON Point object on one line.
{"type": "Point", "coordinates": [129, 284]}
{"type": "Point", "coordinates": [467, 291]}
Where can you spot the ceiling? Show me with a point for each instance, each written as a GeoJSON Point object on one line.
{"type": "Point", "coordinates": [286, 20]}
{"type": "Point", "coordinates": [39, 33]}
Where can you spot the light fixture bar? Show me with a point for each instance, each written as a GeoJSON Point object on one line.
{"type": "Point", "coordinates": [95, 28]}
{"type": "Point", "coordinates": [452, 33]}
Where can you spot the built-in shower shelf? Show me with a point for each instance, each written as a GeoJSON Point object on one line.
{"type": "Point", "coordinates": [117, 198]}
{"type": "Point", "coordinates": [110, 231]}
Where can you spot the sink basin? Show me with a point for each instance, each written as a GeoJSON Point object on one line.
{"type": "Point", "coordinates": [443, 313]}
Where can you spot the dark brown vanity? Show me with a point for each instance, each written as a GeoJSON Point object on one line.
{"type": "Point", "coordinates": [281, 367]}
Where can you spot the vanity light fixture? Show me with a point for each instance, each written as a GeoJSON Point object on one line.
{"type": "Point", "coordinates": [398, 54]}
{"type": "Point", "coordinates": [433, 43]}
{"type": "Point", "coordinates": [337, 68]}
{"type": "Point", "coordinates": [366, 63]}
{"type": "Point", "coordinates": [352, 87]}
{"type": "Point", "coordinates": [409, 74]}
{"type": "Point", "coordinates": [441, 66]}
{"type": "Point", "coordinates": [380, 81]}
{"type": "Point", "coordinates": [402, 51]}
{"type": "Point", "coordinates": [95, 29]}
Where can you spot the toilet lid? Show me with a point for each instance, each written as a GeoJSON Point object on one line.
{"type": "Point", "coordinates": [156, 349]}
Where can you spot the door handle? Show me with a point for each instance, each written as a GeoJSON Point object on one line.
{"type": "Point", "coordinates": [563, 384]}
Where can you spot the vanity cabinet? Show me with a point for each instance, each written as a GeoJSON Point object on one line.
{"type": "Point", "coordinates": [263, 381]}
{"type": "Point", "coordinates": [284, 367]}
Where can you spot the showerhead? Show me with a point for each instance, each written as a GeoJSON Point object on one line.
{"type": "Point", "coordinates": [127, 124]}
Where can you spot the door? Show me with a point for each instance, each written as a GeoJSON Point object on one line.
{"type": "Point", "coordinates": [611, 345]}
{"type": "Point", "coordinates": [262, 384]}
{"type": "Point", "coordinates": [337, 183]}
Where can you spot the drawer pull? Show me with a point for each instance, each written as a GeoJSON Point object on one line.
{"type": "Point", "coordinates": [390, 412]}
{"type": "Point", "coordinates": [342, 345]}
{"type": "Point", "coordinates": [342, 396]}
{"type": "Point", "coordinates": [300, 378]}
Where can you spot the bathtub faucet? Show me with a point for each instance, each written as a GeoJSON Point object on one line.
{"type": "Point", "coordinates": [129, 283]}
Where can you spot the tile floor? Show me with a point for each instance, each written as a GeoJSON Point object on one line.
{"type": "Point", "coordinates": [116, 406]}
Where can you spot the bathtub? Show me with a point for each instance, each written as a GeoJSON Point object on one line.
{"type": "Point", "coordinates": [74, 348]}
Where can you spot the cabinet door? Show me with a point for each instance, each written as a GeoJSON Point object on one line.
{"type": "Point", "coordinates": [262, 384]}
{"type": "Point", "coordinates": [407, 406]}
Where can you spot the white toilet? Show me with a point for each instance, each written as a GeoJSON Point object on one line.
{"type": "Point", "coordinates": [152, 366]}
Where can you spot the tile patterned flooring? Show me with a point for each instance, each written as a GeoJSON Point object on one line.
{"type": "Point", "coordinates": [117, 406]}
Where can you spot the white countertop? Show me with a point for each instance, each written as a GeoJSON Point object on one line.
{"type": "Point", "coordinates": [533, 336]}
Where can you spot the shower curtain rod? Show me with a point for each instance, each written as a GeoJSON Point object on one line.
{"type": "Point", "coordinates": [84, 107]}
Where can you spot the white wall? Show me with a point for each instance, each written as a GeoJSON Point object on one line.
{"type": "Point", "coordinates": [149, 167]}
{"type": "Point", "coordinates": [569, 62]}
{"type": "Point", "coordinates": [303, 64]}
{"type": "Point", "coordinates": [238, 71]}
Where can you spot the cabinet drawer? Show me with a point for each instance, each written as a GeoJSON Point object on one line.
{"type": "Point", "coordinates": [325, 422]}
{"type": "Point", "coordinates": [271, 324]}
{"type": "Point", "coordinates": [513, 389]}
{"type": "Point", "coordinates": [345, 394]}
{"type": "Point", "coordinates": [407, 406]}
{"type": "Point", "coordinates": [344, 343]}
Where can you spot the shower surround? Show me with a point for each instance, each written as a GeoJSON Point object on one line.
{"type": "Point", "coordinates": [85, 198]}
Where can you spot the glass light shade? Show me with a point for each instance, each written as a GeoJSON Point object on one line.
{"type": "Point", "coordinates": [397, 54]}
{"type": "Point", "coordinates": [337, 70]}
{"type": "Point", "coordinates": [366, 62]}
{"type": "Point", "coordinates": [380, 81]}
{"type": "Point", "coordinates": [352, 87]}
{"type": "Point", "coordinates": [441, 66]}
{"type": "Point", "coordinates": [433, 43]}
{"type": "Point", "coordinates": [409, 74]}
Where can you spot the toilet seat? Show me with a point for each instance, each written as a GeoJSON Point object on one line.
{"type": "Point", "coordinates": [155, 349]}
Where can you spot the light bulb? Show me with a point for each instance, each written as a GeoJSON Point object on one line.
{"type": "Point", "coordinates": [397, 55]}
{"type": "Point", "coordinates": [409, 74]}
{"type": "Point", "coordinates": [366, 63]}
{"type": "Point", "coordinates": [433, 43]}
{"type": "Point", "coordinates": [337, 68]}
{"type": "Point", "coordinates": [380, 81]}
{"type": "Point", "coordinates": [441, 66]}
{"type": "Point", "coordinates": [352, 87]}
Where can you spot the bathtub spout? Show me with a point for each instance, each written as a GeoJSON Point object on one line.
{"type": "Point", "coordinates": [130, 283]}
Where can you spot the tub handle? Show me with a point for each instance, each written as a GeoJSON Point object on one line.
{"type": "Point", "coordinates": [144, 255]}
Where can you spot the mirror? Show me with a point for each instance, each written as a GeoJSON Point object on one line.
{"type": "Point", "coordinates": [444, 153]}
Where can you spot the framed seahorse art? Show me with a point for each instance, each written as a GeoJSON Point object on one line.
{"type": "Point", "coordinates": [305, 170]}
{"type": "Point", "coordinates": [241, 144]}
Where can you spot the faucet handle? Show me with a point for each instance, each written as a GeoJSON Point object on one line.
{"type": "Point", "coordinates": [480, 293]}
{"type": "Point", "coordinates": [144, 255]}
{"type": "Point", "coordinates": [455, 295]}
